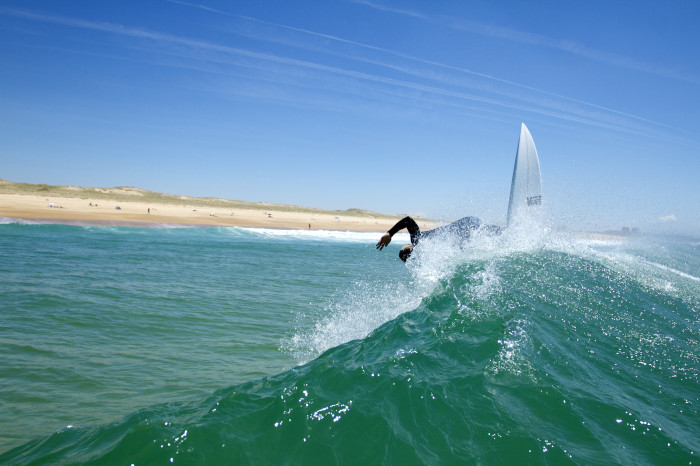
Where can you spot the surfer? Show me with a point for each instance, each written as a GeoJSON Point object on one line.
{"type": "Point", "coordinates": [461, 229]}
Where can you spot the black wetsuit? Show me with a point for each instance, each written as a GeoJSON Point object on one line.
{"type": "Point", "coordinates": [462, 228]}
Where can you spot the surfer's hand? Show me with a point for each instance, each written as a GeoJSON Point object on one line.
{"type": "Point", "coordinates": [384, 241]}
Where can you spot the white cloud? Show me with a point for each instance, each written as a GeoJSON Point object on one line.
{"type": "Point", "coordinates": [668, 218]}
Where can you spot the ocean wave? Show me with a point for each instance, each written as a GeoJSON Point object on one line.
{"type": "Point", "coordinates": [315, 235]}
{"type": "Point", "coordinates": [510, 350]}
{"type": "Point", "coordinates": [276, 233]}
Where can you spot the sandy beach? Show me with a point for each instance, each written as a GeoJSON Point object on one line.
{"type": "Point", "coordinates": [128, 206]}
{"type": "Point", "coordinates": [58, 209]}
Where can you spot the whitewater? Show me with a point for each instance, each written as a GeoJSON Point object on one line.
{"type": "Point", "coordinates": [125, 345]}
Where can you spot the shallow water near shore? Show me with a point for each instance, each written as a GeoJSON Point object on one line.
{"type": "Point", "coordinates": [212, 345]}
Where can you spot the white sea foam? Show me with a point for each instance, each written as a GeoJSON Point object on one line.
{"type": "Point", "coordinates": [353, 315]}
{"type": "Point", "coordinates": [334, 235]}
{"type": "Point", "coordinates": [20, 221]}
{"type": "Point", "coordinates": [298, 234]}
{"type": "Point", "coordinates": [634, 259]}
{"type": "Point", "coordinates": [672, 270]}
{"type": "Point", "coordinates": [356, 312]}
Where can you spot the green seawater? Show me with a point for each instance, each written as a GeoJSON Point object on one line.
{"type": "Point", "coordinates": [124, 345]}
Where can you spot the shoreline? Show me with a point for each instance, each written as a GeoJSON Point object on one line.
{"type": "Point", "coordinates": [48, 209]}
{"type": "Point", "coordinates": [145, 224]}
{"type": "Point", "coordinates": [105, 223]}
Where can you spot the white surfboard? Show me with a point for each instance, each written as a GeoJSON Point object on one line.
{"type": "Point", "coordinates": [526, 187]}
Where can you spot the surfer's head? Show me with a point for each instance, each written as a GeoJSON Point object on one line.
{"type": "Point", "coordinates": [405, 252]}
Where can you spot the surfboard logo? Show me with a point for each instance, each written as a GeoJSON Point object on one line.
{"type": "Point", "coordinates": [534, 200]}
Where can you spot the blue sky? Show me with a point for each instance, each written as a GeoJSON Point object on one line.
{"type": "Point", "coordinates": [394, 106]}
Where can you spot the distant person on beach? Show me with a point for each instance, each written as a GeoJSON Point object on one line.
{"type": "Point", "coordinates": [462, 229]}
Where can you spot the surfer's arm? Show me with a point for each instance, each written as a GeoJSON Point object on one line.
{"type": "Point", "coordinates": [406, 222]}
